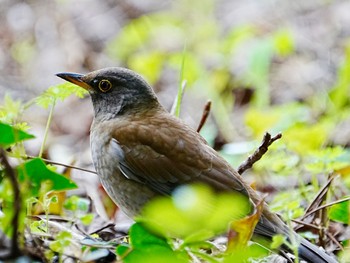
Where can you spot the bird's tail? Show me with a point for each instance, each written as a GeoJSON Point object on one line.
{"type": "Point", "coordinates": [269, 227]}
{"type": "Point", "coordinates": [312, 253]}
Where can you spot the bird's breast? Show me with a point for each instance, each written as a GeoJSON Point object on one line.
{"type": "Point", "coordinates": [106, 155]}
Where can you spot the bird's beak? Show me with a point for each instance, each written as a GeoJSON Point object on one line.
{"type": "Point", "coordinates": [75, 78]}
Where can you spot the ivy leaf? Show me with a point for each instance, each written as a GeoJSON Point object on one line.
{"type": "Point", "coordinates": [37, 172]}
{"type": "Point", "coordinates": [10, 135]}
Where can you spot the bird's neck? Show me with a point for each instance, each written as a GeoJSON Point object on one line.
{"type": "Point", "coordinates": [112, 110]}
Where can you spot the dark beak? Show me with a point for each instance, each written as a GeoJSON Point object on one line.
{"type": "Point", "coordinates": [75, 78]}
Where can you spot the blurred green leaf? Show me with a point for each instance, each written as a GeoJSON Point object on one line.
{"type": "Point", "coordinates": [283, 42]}
{"type": "Point", "coordinates": [304, 138]}
{"type": "Point", "coordinates": [276, 118]}
{"type": "Point", "coordinates": [10, 110]}
{"type": "Point", "coordinates": [10, 135]}
{"type": "Point", "coordinates": [62, 242]}
{"type": "Point", "coordinates": [148, 64]}
{"type": "Point", "coordinates": [75, 203]}
{"type": "Point", "coordinates": [340, 212]}
{"type": "Point", "coordinates": [59, 92]}
{"type": "Point", "coordinates": [248, 254]}
{"type": "Point", "coordinates": [339, 94]}
{"type": "Point", "coordinates": [277, 241]}
{"type": "Point", "coordinates": [23, 51]}
{"type": "Point", "coordinates": [87, 219]}
{"type": "Point", "coordinates": [328, 159]}
{"type": "Point", "coordinates": [257, 74]}
{"type": "Point", "coordinates": [187, 209]}
{"type": "Point", "coordinates": [236, 37]}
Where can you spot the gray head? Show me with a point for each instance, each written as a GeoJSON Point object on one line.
{"type": "Point", "coordinates": [115, 91]}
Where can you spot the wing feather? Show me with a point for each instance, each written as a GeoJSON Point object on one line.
{"type": "Point", "coordinates": [164, 155]}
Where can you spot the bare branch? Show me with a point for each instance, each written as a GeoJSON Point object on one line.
{"type": "Point", "coordinates": [205, 115]}
{"type": "Point", "coordinates": [17, 201]}
{"type": "Point", "coordinates": [326, 205]}
{"type": "Point", "coordinates": [256, 156]}
{"type": "Point", "coordinates": [319, 197]}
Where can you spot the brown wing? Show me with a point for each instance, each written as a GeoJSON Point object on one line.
{"type": "Point", "coordinates": [164, 154]}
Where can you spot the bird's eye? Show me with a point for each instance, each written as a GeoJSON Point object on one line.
{"type": "Point", "coordinates": [104, 85]}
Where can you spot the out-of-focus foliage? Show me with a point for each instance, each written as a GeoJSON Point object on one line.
{"type": "Point", "coordinates": [153, 42]}
{"type": "Point", "coordinates": [189, 206]}
{"type": "Point", "coordinates": [201, 51]}
{"type": "Point", "coordinates": [187, 220]}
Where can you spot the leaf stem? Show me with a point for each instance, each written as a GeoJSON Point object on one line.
{"type": "Point", "coordinates": [49, 119]}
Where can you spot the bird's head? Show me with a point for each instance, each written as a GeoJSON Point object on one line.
{"type": "Point", "coordinates": [115, 91]}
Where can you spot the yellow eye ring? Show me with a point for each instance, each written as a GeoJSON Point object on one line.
{"type": "Point", "coordinates": [104, 85]}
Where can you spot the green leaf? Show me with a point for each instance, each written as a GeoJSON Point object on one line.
{"type": "Point", "coordinates": [339, 94]}
{"type": "Point", "coordinates": [37, 173]}
{"type": "Point", "coordinates": [10, 135]}
{"type": "Point", "coordinates": [87, 219]}
{"type": "Point", "coordinates": [59, 92]}
{"type": "Point", "coordinates": [155, 254]}
{"type": "Point", "coordinates": [340, 212]}
{"type": "Point", "coordinates": [247, 254]}
{"type": "Point", "coordinates": [10, 110]}
{"type": "Point", "coordinates": [62, 242]}
{"type": "Point", "coordinates": [148, 64]}
{"type": "Point", "coordinates": [76, 203]}
{"type": "Point", "coordinates": [183, 215]}
{"type": "Point", "coordinates": [149, 248]}
{"type": "Point", "coordinates": [283, 42]}
{"type": "Point", "coordinates": [140, 237]}
{"type": "Point", "coordinates": [123, 249]}
{"type": "Point", "coordinates": [277, 241]}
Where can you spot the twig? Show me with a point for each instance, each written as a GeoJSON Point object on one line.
{"type": "Point", "coordinates": [319, 196]}
{"type": "Point", "coordinates": [335, 240]}
{"type": "Point", "coordinates": [256, 156]}
{"type": "Point", "coordinates": [327, 205]}
{"type": "Point", "coordinates": [61, 164]}
{"type": "Point", "coordinates": [205, 115]}
{"type": "Point", "coordinates": [103, 228]}
{"type": "Point", "coordinates": [330, 236]}
{"type": "Point", "coordinates": [306, 224]}
{"type": "Point", "coordinates": [36, 246]}
{"type": "Point", "coordinates": [17, 200]}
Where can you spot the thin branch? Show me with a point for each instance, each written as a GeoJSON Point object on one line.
{"type": "Point", "coordinates": [319, 197]}
{"type": "Point", "coordinates": [17, 200]}
{"type": "Point", "coordinates": [326, 205]}
{"type": "Point", "coordinates": [110, 225]}
{"type": "Point", "coordinates": [61, 164]}
{"type": "Point", "coordinates": [306, 224]}
{"type": "Point", "coordinates": [205, 115]}
{"type": "Point", "coordinates": [335, 240]}
{"type": "Point", "coordinates": [256, 156]}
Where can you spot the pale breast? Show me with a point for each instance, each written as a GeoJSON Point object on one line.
{"type": "Point", "coordinates": [129, 195]}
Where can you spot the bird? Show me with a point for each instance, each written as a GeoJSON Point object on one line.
{"type": "Point", "coordinates": [141, 151]}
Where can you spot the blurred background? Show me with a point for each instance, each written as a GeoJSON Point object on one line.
{"type": "Point", "coordinates": [268, 65]}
